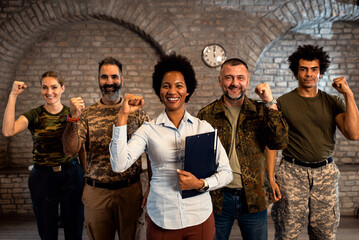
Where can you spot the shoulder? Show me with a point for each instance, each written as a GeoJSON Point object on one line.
{"type": "Point", "coordinates": [208, 109]}
{"type": "Point", "coordinates": [33, 112]}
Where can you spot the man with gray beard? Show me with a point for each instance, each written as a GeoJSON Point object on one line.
{"type": "Point", "coordinates": [112, 200]}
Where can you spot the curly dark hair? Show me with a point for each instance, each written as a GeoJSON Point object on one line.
{"type": "Point", "coordinates": [309, 53]}
{"type": "Point", "coordinates": [174, 62]}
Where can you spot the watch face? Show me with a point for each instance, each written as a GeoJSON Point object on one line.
{"type": "Point", "coordinates": [213, 55]}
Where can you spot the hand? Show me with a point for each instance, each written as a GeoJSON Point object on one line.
{"type": "Point", "coordinates": [276, 191]}
{"type": "Point", "coordinates": [264, 92]}
{"type": "Point", "coordinates": [18, 87]}
{"type": "Point", "coordinates": [341, 85]}
{"type": "Point", "coordinates": [132, 104]}
{"type": "Point", "coordinates": [187, 181]}
{"type": "Point", "coordinates": [77, 104]}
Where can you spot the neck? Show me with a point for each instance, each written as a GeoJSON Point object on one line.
{"type": "Point", "coordinates": [233, 103]}
{"type": "Point", "coordinates": [107, 102]}
{"type": "Point", "coordinates": [53, 108]}
{"type": "Point", "coordinates": [308, 92]}
{"type": "Point", "coordinates": [175, 116]}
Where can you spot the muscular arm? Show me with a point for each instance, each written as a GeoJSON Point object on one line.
{"type": "Point", "coordinates": [70, 139]}
{"type": "Point", "coordinates": [348, 122]}
{"type": "Point", "coordinates": [11, 127]}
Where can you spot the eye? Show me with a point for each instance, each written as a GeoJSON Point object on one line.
{"type": "Point", "coordinates": [228, 78]}
{"type": "Point", "coordinates": [165, 86]}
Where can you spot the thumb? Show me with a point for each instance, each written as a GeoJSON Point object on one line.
{"type": "Point", "coordinates": [181, 172]}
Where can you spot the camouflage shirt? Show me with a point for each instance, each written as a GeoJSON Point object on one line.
{"type": "Point", "coordinates": [46, 130]}
{"type": "Point", "coordinates": [257, 128]}
{"type": "Point", "coordinates": [95, 130]}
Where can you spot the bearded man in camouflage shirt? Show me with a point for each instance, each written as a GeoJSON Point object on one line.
{"type": "Point", "coordinates": [245, 127]}
{"type": "Point", "coordinates": [112, 200]}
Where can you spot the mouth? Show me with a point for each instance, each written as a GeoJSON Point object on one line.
{"type": "Point", "coordinates": [172, 99]}
{"type": "Point", "coordinates": [48, 97]}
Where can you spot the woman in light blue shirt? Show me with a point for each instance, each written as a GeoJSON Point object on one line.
{"type": "Point", "coordinates": [163, 139]}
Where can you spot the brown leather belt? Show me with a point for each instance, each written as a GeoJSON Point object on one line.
{"type": "Point", "coordinates": [113, 185]}
{"type": "Point", "coordinates": [57, 168]}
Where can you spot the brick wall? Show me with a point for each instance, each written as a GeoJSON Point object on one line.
{"type": "Point", "coordinates": [72, 36]}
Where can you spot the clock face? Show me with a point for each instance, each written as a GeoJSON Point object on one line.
{"type": "Point", "coordinates": [213, 55]}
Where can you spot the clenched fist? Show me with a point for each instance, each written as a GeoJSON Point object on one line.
{"type": "Point", "coordinates": [77, 104]}
{"type": "Point", "coordinates": [18, 87]}
{"type": "Point", "coordinates": [264, 92]}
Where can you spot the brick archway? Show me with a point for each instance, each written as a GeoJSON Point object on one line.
{"type": "Point", "coordinates": [296, 15]}
{"type": "Point", "coordinates": [24, 28]}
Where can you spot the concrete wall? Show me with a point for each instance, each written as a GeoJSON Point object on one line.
{"type": "Point", "coordinates": [73, 36]}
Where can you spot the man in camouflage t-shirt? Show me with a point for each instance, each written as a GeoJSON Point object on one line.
{"type": "Point", "coordinates": [112, 200]}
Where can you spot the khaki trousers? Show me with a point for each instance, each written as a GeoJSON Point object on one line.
{"type": "Point", "coordinates": [108, 211]}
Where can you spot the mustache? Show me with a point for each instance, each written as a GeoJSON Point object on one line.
{"type": "Point", "coordinates": [114, 86]}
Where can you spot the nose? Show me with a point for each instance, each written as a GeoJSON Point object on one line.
{"type": "Point", "coordinates": [235, 81]}
{"type": "Point", "coordinates": [172, 90]}
{"type": "Point", "coordinates": [109, 80]}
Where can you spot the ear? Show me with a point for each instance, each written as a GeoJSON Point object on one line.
{"type": "Point", "coordinates": [249, 79]}
{"type": "Point", "coordinates": [63, 88]}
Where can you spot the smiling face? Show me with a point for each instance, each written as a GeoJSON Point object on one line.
{"type": "Point", "coordinates": [234, 81]}
{"type": "Point", "coordinates": [110, 81]}
{"type": "Point", "coordinates": [51, 90]}
{"type": "Point", "coordinates": [308, 74]}
{"type": "Point", "coordinates": [173, 91]}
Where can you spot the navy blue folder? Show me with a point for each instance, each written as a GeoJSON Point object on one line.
{"type": "Point", "coordinates": [200, 157]}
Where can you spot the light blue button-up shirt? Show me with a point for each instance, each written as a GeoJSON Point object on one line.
{"type": "Point", "coordinates": [165, 147]}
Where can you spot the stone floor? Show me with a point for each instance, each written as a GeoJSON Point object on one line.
{"type": "Point", "coordinates": [25, 228]}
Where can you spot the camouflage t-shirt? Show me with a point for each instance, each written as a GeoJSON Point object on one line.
{"type": "Point", "coordinates": [46, 130]}
{"type": "Point", "coordinates": [95, 130]}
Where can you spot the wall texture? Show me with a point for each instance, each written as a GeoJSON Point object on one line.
{"type": "Point", "coordinates": [72, 36]}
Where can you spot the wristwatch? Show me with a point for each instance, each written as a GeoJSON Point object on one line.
{"type": "Point", "coordinates": [268, 104]}
{"type": "Point", "coordinates": [205, 186]}
{"type": "Point", "coordinates": [70, 119]}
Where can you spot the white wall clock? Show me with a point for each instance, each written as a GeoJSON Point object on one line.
{"type": "Point", "coordinates": [213, 55]}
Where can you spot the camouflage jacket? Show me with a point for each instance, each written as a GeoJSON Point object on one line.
{"type": "Point", "coordinates": [95, 131]}
{"type": "Point", "coordinates": [257, 128]}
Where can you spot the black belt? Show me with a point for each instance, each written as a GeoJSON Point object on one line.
{"type": "Point", "coordinates": [306, 164]}
{"type": "Point", "coordinates": [113, 185]}
{"type": "Point", "coordinates": [234, 191]}
{"type": "Point", "coordinates": [57, 168]}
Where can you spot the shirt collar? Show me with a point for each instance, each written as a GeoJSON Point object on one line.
{"type": "Point", "coordinates": [163, 119]}
{"type": "Point", "coordinates": [247, 105]}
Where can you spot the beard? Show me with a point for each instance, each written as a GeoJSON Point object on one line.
{"type": "Point", "coordinates": [113, 94]}
{"type": "Point", "coordinates": [226, 94]}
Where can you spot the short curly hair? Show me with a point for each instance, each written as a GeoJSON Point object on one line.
{"type": "Point", "coordinates": [309, 53]}
{"type": "Point", "coordinates": [174, 62]}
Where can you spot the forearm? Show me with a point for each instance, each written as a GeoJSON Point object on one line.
{"type": "Point", "coordinates": [351, 121]}
{"type": "Point", "coordinates": [277, 130]}
{"type": "Point", "coordinates": [70, 139]}
{"type": "Point", "coordinates": [121, 119]}
{"type": "Point", "coordinates": [271, 157]}
{"type": "Point", "coordinates": [9, 116]}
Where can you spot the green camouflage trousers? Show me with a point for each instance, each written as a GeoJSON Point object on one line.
{"type": "Point", "coordinates": [303, 188]}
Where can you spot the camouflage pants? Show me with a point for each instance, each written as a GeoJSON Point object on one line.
{"type": "Point", "coordinates": [303, 188]}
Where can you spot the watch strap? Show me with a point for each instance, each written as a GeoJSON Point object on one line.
{"type": "Point", "coordinates": [268, 104]}
{"type": "Point", "coordinates": [70, 119]}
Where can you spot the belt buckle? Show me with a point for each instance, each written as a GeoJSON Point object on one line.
{"type": "Point", "coordinates": [56, 168]}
